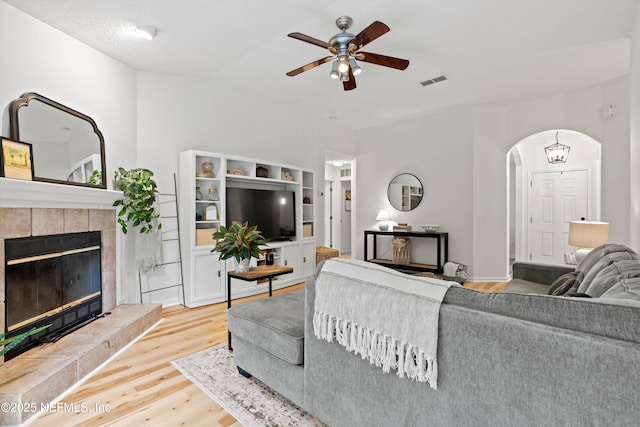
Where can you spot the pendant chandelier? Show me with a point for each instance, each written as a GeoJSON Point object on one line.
{"type": "Point", "coordinates": [557, 153]}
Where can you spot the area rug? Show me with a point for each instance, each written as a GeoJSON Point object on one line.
{"type": "Point", "coordinates": [251, 402]}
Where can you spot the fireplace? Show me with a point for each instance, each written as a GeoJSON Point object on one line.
{"type": "Point", "coordinates": [52, 280]}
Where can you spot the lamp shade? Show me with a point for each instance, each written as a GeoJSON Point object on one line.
{"type": "Point", "coordinates": [588, 234]}
{"type": "Point", "coordinates": [383, 216]}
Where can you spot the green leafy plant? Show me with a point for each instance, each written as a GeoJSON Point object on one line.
{"type": "Point", "coordinates": [239, 241]}
{"type": "Point", "coordinates": [10, 343]}
{"type": "Point", "coordinates": [96, 178]}
{"type": "Point", "coordinates": [139, 195]}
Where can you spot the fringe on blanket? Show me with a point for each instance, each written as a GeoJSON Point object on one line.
{"type": "Point", "coordinates": [379, 349]}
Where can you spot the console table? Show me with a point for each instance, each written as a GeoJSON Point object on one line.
{"type": "Point", "coordinates": [442, 250]}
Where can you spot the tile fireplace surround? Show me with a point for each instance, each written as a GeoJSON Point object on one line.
{"type": "Point", "coordinates": [41, 374]}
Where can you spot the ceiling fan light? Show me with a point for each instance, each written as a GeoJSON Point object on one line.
{"type": "Point", "coordinates": [344, 77]}
{"type": "Point", "coordinates": [343, 64]}
{"type": "Point", "coordinates": [334, 71]}
{"type": "Point", "coordinates": [355, 68]}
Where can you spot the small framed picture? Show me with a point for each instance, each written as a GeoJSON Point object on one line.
{"type": "Point", "coordinates": [17, 160]}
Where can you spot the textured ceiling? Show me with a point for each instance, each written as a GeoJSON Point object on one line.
{"type": "Point", "coordinates": [491, 50]}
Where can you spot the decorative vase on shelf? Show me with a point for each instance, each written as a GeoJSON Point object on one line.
{"type": "Point", "coordinates": [242, 266]}
{"type": "Point", "coordinates": [198, 194]}
{"type": "Point", "coordinates": [212, 194]}
{"type": "Point", "coordinates": [207, 170]}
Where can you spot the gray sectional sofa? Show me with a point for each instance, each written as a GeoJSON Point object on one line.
{"type": "Point", "coordinates": [504, 359]}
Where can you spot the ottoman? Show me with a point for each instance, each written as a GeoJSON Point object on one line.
{"type": "Point", "coordinates": [268, 341]}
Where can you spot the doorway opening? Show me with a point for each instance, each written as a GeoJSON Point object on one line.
{"type": "Point", "coordinates": [339, 201]}
{"type": "Point", "coordinates": [543, 197]}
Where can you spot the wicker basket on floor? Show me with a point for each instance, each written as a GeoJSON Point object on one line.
{"type": "Point", "coordinates": [322, 253]}
{"type": "Point", "coordinates": [401, 250]}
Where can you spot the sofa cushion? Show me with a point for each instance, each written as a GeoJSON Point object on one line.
{"type": "Point", "coordinates": [626, 288]}
{"type": "Point", "coordinates": [609, 276]}
{"type": "Point", "coordinates": [610, 317]}
{"type": "Point", "coordinates": [274, 324]}
{"type": "Point", "coordinates": [563, 284]}
{"type": "Point", "coordinates": [521, 286]}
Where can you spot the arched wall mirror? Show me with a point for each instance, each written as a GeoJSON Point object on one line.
{"type": "Point", "coordinates": [405, 192]}
{"type": "Point", "coordinates": [68, 147]}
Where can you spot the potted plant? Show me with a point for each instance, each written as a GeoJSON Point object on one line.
{"type": "Point", "coordinates": [139, 195]}
{"type": "Point", "coordinates": [239, 241]}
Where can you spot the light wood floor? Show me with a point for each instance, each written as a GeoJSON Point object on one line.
{"type": "Point", "coordinates": [141, 387]}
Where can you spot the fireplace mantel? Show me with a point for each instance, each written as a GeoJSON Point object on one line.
{"type": "Point", "coordinates": [15, 193]}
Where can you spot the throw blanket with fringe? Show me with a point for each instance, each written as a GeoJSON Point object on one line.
{"type": "Point", "coordinates": [387, 317]}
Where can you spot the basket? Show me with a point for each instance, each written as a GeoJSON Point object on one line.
{"type": "Point", "coordinates": [323, 253]}
{"type": "Point", "coordinates": [401, 250]}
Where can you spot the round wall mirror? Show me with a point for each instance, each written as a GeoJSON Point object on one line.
{"type": "Point", "coordinates": [405, 192]}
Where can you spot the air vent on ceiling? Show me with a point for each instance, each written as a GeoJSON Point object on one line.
{"type": "Point", "coordinates": [434, 80]}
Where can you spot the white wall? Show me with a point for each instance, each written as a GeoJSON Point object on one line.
{"type": "Point", "coordinates": [460, 156]}
{"type": "Point", "coordinates": [438, 149]}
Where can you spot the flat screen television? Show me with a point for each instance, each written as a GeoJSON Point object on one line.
{"type": "Point", "coordinates": [272, 211]}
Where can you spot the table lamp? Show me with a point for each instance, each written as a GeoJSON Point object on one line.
{"type": "Point", "coordinates": [384, 217]}
{"type": "Point", "coordinates": [587, 235]}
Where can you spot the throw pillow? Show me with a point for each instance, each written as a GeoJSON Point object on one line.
{"type": "Point", "coordinates": [562, 284]}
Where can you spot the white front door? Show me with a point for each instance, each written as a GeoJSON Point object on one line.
{"type": "Point", "coordinates": [555, 198]}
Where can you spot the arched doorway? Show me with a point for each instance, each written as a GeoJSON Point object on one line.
{"type": "Point", "coordinates": [543, 197]}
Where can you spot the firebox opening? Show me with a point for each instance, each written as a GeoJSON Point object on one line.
{"type": "Point", "coordinates": [53, 280]}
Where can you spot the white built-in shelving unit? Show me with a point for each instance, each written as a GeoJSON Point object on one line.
{"type": "Point", "coordinates": [204, 275]}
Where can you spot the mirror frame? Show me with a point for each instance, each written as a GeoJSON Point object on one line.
{"type": "Point", "coordinates": [421, 192]}
{"type": "Point", "coordinates": [14, 130]}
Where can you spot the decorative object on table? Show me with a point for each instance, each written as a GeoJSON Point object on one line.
{"type": "Point", "coordinates": [383, 216]}
{"type": "Point", "coordinates": [137, 205]}
{"type": "Point", "coordinates": [557, 153]}
{"type": "Point", "coordinates": [17, 160]}
{"type": "Point", "coordinates": [248, 400]}
{"type": "Point", "coordinates": [211, 213]}
{"type": "Point", "coordinates": [198, 194]}
{"type": "Point", "coordinates": [269, 258]}
{"type": "Point", "coordinates": [401, 250]}
{"type": "Point", "coordinates": [402, 226]}
{"type": "Point", "coordinates": [262, 172]}
{"type": "Point", "coordinates": [587, 235]}
{"type": "Point", "coordinates": [237, 172]}
{"type": "Point", "coordinates": [207, 170]}
{"type": "Point", "coordinates": [430, 228]}
{"type": "Point", "coordinates": [239, 241]}
{"type": "Point", "coordinates": [212, 194]}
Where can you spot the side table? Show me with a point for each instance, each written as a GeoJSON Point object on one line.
{"type": "Point", "coordinates": [257, 273]}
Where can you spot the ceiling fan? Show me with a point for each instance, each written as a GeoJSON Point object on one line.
{"type": "Point", "coordinates": [345, 50]}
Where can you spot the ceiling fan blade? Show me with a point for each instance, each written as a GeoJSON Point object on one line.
{"type": "Point", "coordinates": [351, 83]}
{"type": "Point", "coordinates": [386, 61]}
{"type": "Point", "coordinates": [309, 66]}
{"type": "Point", "coordinates": [369, 34]}
{"type": "Point", "coordinates": [312, 40]}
